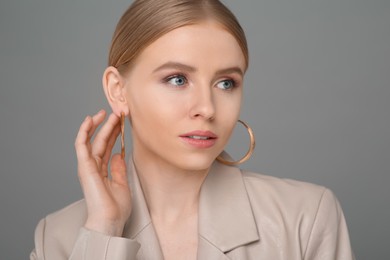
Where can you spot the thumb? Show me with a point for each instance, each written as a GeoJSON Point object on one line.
{"type": "Point", "coordinates": [118, 169]}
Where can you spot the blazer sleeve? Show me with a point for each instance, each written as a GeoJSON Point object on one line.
{"type": "Point", "coordinates": [89, 245]}
{"type": "Point", "coordinates": [329, 239]}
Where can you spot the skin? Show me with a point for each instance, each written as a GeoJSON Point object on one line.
{"type": "Point", "coordinates": [180, 83]}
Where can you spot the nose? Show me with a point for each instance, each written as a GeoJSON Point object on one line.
{"type": "Point", "coordinates": [203, 103]}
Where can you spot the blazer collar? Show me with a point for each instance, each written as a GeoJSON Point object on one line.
{"type": "Point", "coordinates": [139, 226]}
{"type": "Point", "coordinates": [225, 216]}
{"type": "Point", "coordinates": [140, 217]}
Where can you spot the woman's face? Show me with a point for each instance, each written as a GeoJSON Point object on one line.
{"type": "Point", "coordinates": [184, 94]}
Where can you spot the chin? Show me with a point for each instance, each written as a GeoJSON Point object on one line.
{"type": "Point", "coordinates": [196, 162]}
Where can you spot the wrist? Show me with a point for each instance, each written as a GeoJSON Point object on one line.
{"type": "Point", "coordinates": [114, 229]}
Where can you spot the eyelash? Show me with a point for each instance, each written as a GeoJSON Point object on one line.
{"type": "Point", "coordinates": [232, 81]}
{"type": "Point", "coordinates": [169, 78]}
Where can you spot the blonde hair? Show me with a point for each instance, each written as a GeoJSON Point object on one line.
{"type": "Point", "coordinates": [147, 20]}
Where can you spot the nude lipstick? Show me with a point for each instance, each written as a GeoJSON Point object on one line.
{"type": "Point", "coordinates": [199, 138]}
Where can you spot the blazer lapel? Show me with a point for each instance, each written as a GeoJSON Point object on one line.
{"type": "Point", "coordinates": [225, 215]}
{"type": "Point", "coordinates": [207, 250]}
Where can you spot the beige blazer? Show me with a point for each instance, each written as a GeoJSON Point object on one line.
{"type": "Point", "coordinates": [242, 215]}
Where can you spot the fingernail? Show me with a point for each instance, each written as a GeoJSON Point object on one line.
{"type": "Point", "coordinates": [86, 118]}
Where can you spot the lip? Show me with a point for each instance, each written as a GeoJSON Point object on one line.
{"type": "Point", "coordinates": [200, 143]}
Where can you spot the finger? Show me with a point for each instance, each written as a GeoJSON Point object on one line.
{"type": "Point", "coordinates": [82, 140]}
{"type": "Point", "coordinates": [110, 144]}
{"type": "Point", "coordinates": [99, 144]}
{"type": "Point", "coordinates": [86, 164]}
{"type": "Point", "coordinates": [97, 119]}
{"type": "Point", "coordinates": [118, 170]}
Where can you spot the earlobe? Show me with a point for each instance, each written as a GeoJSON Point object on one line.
{"type": "Point", "coordinates": [114, 89]}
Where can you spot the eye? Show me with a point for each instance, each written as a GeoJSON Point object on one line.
{"type": "Point", "coordinates": [177, 80]}
{"type": "Point", "coordinates": [226, 84]}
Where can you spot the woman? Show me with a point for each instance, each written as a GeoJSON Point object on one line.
{"type": "Point", "coordinates": [176, 70]}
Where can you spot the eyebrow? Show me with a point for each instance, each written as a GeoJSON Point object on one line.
{"type": "Point", "coordinates": [188, 68]}
{"type": "Point", "coordinates": [175, 65]}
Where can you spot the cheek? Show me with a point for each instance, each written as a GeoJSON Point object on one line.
{"type": "Point", "coordinates": [152, 112]}
{"type": "Point", "coordinates": [229, 107]}
{"type": "Point", "coordinates": [229, 112]}
{"type": "Point", "coordinates": [229, 128]}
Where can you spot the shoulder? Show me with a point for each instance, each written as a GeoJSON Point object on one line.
{"type": "Point", "coordinates": [59, 230]}
{"type": "Point", "coordinates": [295, 205]}
{"type": "Point", "coordinates": [258, 184]}
{"type": "Point", "coordinates": [69, 217]}
{"type": "Point", "coordinates": [297, 214]}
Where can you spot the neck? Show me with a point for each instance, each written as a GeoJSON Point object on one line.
{"type": "Point", "coordinates": [171, 193]}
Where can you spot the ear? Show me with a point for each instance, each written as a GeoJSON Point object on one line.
{"type": "Point", "coordinates": [114, 88]}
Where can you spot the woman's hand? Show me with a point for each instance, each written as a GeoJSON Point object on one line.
{"type": "Point", "coordinates": [108, 199]}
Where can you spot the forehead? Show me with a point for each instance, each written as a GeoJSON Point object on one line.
{"type": "Point", "coordinates": [205, 44]}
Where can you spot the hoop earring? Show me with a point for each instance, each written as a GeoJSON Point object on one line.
{"type": "Point", "coordinates": [248, 153]}
{"type": "Point", "coordinates": [123, 135]}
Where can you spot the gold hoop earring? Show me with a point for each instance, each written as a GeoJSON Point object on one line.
{"type": "Point", "coordinates": [123, 135]}
{"type": "Point", "coordinates": [248, 153]}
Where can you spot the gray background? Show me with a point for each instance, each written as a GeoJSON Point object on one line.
{"type": "Point", "coordinates": [316, 95]}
